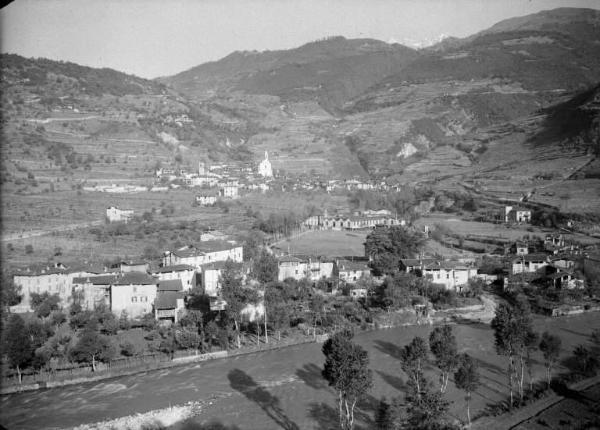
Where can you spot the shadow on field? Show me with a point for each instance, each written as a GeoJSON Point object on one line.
{"type": "Point", "coordinates": [328, 418]}
{"type": "Point", "coordinates": [311, 375]}
{"type": "Point", "coordinates": [492, 368]}
{"type": "Point", "coordinates": [392, 380]}
{"type": "Point", "coordinates": [191, 425]}
{"type": "Point", "coordinates": [388, 348]}
{"type": "Point", "coordinates": [244, 383]}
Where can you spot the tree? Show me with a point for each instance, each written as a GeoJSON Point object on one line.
{"type": "Point", "coordinates": [43, 304]}
{"type": "Point", "coordinates": [384, 416]}
{"type": "Point", "coordinates": [442, 344]}
{"type": "Point", "coordinates": [277, 308]}
{"type": "Point", "coordinates": [236, 295]}
{"type": "Point", "coordinates": [346, 370]}
{"type": "Point", "coordinates": [512, 327]}
{"type": "Point", "coordinates": [466, 378]}
{"type": "Point", "coordinates": [386, 246]}
{"type": "Point", "coordinates": [425, 408]}
{"type": "Point", "coordinates": [10, 292]}
{"type": "Point", "coordinates": [16, 344]}
{"type": "Point", "coordinates": [265, 267]}
{"type": "Point", "coordinates": [412, 357]}
{"type": "Point", "coordinates": [317, 309]}
{"type": "Point", "coordinates": [550, 347]}
{"type": "Point", "coordinates": [92, 346]}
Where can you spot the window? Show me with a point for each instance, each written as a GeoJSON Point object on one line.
{"type": "Point", "coordinates": [144, 299]}
{"type": "Point", "coordinates": [134, 299]}
{"type": "Point", "coordinates": [447, 275]}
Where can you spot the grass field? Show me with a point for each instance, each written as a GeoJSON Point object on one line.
{"type": "Point", "coordinates": [330, 243]}
{"type": "Point", "coordinates": [281, 389]}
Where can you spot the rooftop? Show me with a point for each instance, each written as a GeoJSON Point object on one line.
{"type": "Point", "coordinates": [170, 285]}
{"type": "Point", "coordinates": [167, 300]}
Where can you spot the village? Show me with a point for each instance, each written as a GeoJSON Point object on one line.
{"type": "Point", "coordinates": [161, 287]}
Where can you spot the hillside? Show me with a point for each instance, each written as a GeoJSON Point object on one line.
{"type": "Point", "coordinates": [500, 111]}
{"type": "Point", "coordinates": [330, 71]}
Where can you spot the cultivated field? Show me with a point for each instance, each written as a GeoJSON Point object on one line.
{"type": "Point", "coordinates": [326, 242]}
{"type": "Point", "coordinates": [278, 389]}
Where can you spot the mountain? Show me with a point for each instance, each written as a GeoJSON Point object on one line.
{"type": "Point", "coordinates": [331, 71]}
{"type": "Point", "coordinates": [502, 107]}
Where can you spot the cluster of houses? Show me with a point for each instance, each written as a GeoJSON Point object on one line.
{"type": "Point", "coordinates": [356, 221]}
{"type": "Point", "coordinates": [548, 264]}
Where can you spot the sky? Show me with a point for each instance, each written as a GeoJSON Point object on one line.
{"type": "Point", "coordinates": [151, 38]}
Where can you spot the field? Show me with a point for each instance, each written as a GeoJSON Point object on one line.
{"type": "Point", "coordinates": [327, 243]}
{"type": "Point", "coordinates": [462, 227]}
{"type": "Point", "coordinates": [278, 389]}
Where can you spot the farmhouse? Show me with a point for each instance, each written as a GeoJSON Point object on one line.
{"type": "Point", "coordinates": [169, 300]}
{"type": "Point", "coordinates": [516, 214]}
{"type": "Point", "coordinates": [114, 214]}
{"type": "Point", "coordinates": [56, 279]}
{"type": "Point", "coordinates": [529, 263]}
{"type": "Point", "coordinates": [182, 272]}
{"type": "Point", "coordinates": [211, 274]}
{"type": "Point", "coordinates": [205, 252]}
{"type": "Point", "coordinates": [93, 291]}
{"type": "Point", "coordinates": [229, 191]}
{"type": "Point", "coordinates": [352, 271]}
{"type": "Point", "coordinates": [207, 198]}
{"type": "Point", "coordinates": [291, 267]}
{"type": "Point", "coordinates": [134, 293]}
{"type": "Point", "coordinates": [452, 275]}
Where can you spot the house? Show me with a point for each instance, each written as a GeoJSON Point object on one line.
{"type": "Point", "coordinates": [114, 214]}
{"type": "Point", "coordinates": [182, 272]}
{"type": "Point", "coordinates": [358, 293]}
{"type": "Point", "coordinates": [516, 214]}
{"type": "Point", "coordinates": [520, 248]}
{"type": "Point", "coordinates": [291, 267]}
{"type": "Point", "coordinates": [133, 292]}
{"type": "Point", "coordinates": [203, 253]}
{"type": "Point", "coordinates": [51, 279]}
{"type": "Point", "coordinates": [132, 266]}
{"type": "Point", "coordinates": [211, 275]}
{"type": "Point", "coordinates": [207, 198]}
{"type": "Point", "coordinates": [414, 265]}
{"type": "Point", "coordinates": [352, 271]}
{"type": "Point", "coordinates": [169, 300]}
{"type": "Point", "coordinates": [318, 267]}
{"type": "Point", "coordinates": [229, 191]}
{"type": "Point", "coordinates": [452, 275]}
{"type": "Point", "coordinates": [93, 291]}
{"type": "Point", "coordinates": [211, 235]}
{"type": "Point", "coordinates": [529, 263]}
{"type": "Point", "coordinates": [168, 306]}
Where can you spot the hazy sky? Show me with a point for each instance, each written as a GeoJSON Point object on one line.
{"type": "Point", "coordinates": [153, 38]}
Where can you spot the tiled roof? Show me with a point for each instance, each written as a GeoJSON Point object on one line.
{"type": "Point", "coordinates": [174, 268]}
{"type": "Point", "coordinates": [289, 259]}
{"type": "Point", "coordinates": [135, 278]}
{"type": "Point", "coordinates": [167, 300]}
{"type": "Point", "coordinates": [95, 280]}
{"type": "Point", "coordinates": [170, 285]}
{"type": "Point", "coordinates": [352, 265]}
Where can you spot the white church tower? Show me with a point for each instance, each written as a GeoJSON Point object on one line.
{"type": "Point", "coordinates": [264, 168]}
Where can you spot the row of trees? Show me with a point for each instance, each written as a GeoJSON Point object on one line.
{"type": "Point", "coordinates": [346, 370]}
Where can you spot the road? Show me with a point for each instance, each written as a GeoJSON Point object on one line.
{"type": "Point", "coordinates": [274, 389]}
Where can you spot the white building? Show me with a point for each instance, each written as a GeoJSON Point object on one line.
{"type": "Point", "coordinates": [291, 267]}
{"type": "Point", "coordinates": [453, 276]}
{"type": "Point", "coordinates": [183, 272]}
{"type": "Point", "coordinates": [529, 263]}
{"type": "Point", "coordinates": [264, 168]}
{"type": "Point", "coordinates": [114, 214]}
{"type": "Point", "coordinates": [352, 271]}
{"type": "Point", "coordinates": [204, 253]}
{"type": "Point", "coordinates": [134, 293]}
{"type": "Point", "coordinates": [56, 279]}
